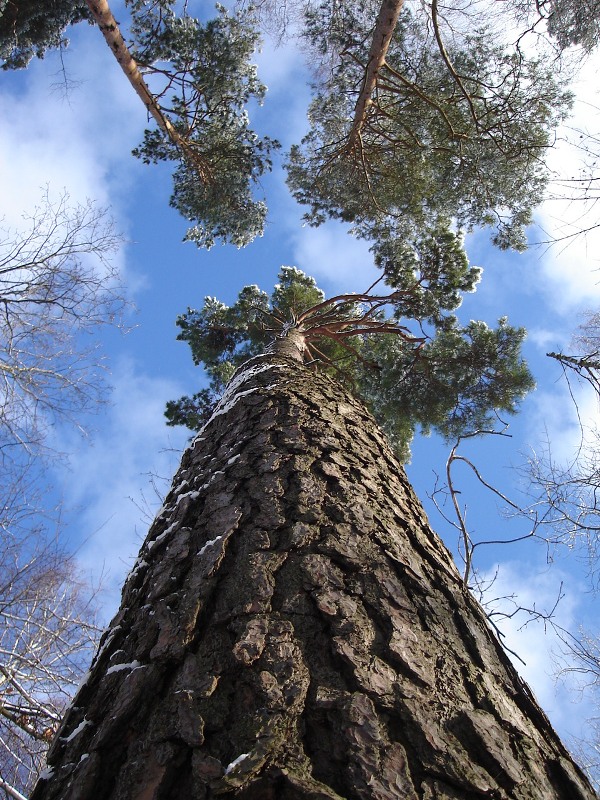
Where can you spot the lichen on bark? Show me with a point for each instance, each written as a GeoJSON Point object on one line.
{"type": "Point", "coordinates": [293, 628]}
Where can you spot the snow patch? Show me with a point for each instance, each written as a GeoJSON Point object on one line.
{"type": "Point", "coordinates": [226, 408]}
{"type": "Point", "coordinates": [235, 762]}
{"type": "Point", "coordinates": [139, 564]}
{"type": "Point", "coordinates": [46, 774]}
{"type": "Point", "coordinates": [161, 536]}
{"type": "Point", "coordinates": [83, 724]}
{"type": "Point", "coordinates": [84, 680]}
{"type": "Point", "coordinates": [212, 478]}
{"type": "Point", "coordinates": [120, 667]}
{"type": "Point", "coordinates": [115, 654]}
{"type": "Point", "coordinates": [169, 510]}
{"type": "Point", "coordinates": [231, 395]}
{"type": "Point", "coordinates": [109, 640]}
{"type": "Point", "coordinates": [191, 495]}
{"type": "Point", "coordinates": [209, 544]}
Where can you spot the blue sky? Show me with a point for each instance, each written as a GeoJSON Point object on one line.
{"type": "Point", "coordinates": [81, 142]}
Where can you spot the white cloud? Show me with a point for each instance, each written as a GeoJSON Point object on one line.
{"type": "Point", "coordinates": [570, 269]}
{"type": "Point", "coordinates": [561, 414]}
{"type": "Point", "coordinates": [548, 339]}
{"type": "Point", "coordinates": [74, 142]}
{"type": "Point", "coordinates": [570, 266]}
{"type": "Point", "coordinates": [330, 253]}
{"type": "Point", "coordinates": [280, 68]}
{"type": "Point", "coordinates": [279, 63]}
{"type": "Point", "coordinates": [77, 141]}
{"type": "Point", "coordinates": [106, 482]}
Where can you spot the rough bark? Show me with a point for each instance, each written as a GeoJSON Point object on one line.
{"type": "Point", "coordinates": [293, 628]}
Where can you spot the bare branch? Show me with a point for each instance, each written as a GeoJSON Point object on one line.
{"type": "Point", "coordinates": [56, 284]}
{"type": "Point", "coordinates": [48, 628]}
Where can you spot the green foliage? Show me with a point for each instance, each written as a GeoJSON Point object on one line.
{"type": "Point", "coordinates": [223, 337]}
{"type": "Point", "coordinates": [30, 27]}
{"type": "Point", "coordinates": [456, 383]}
{"type": "Point", "coordinates": [570, 23]}
{"type": "Point", "coordinates": [446, 377]}
{"type": "Point", "coordinates": [294, 294]}
{"type": "Point", "coordinates": [468, 145]}
{"type": "Point", "coordinates": [203, 80]}
{"type": "Point", "coordinates": [193, 412]}
{"type": "Point", "coordinates": [432, 269]}
{"type": "Point", "coordinates": [574, 23]}
{"type": "Point", "coordinates": [210, 81]}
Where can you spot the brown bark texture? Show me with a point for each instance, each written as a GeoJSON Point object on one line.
{"type": "Point", "coordinates": [293, 629]}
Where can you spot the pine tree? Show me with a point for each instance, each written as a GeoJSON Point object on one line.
{"type": "Point", "coordinates": [203, 81]}
{"type": "Point", "coordinates": [293, 628]}
{"type": "Point", "coordinates": [404, 353]}
{"type": "Point", "coordinates": [417, 121]}
{"type": "Point", "coordinates": [30, 28]}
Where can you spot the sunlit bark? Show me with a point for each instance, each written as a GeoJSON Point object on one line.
{"type": "Point", "coordinates": [109, 26]}
{"type": "Point", "coordinates": [382, 36]}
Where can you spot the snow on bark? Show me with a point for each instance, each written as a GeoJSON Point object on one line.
{"type": "Point", "coordinates": [303, 614]}
{"type": "Point", "coordinates": [82, 725]}
{"type": "Point", "coordinates": [120, 667]}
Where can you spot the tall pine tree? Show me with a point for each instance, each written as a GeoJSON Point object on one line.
{"type": "Point", "coordinates": [293, 628]}
{"type": "Point", "coordinates": [404, 353]}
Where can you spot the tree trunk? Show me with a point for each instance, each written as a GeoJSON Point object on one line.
{"type": "Point", "coordinates": [385, 25]}
{"type": "Point", "coordinates": [293, 628]}
{"type": "Point", "coordinates": [102, 14]}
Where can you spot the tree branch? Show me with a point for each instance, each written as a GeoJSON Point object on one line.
{"type": "Point", "coordinates": [382, 36]}
{"type": "Point", "coordinates": [109, 26]}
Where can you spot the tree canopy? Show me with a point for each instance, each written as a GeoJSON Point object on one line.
{"type": "Point", "coordinates": [568, 23]}
{"type": "Point", "coordinates": [403, 352]}
{"type": "Point", "coordinates": [205, 71]}
{"type": "Point", "coordinates": [419, 128]}
{"type": "Point", "coordinates": [29, 28]}
{"type": "Point", "coordinates": [202, 82]}
{"type": "Point", "coordinates": [453, 128]}
{"type": "Point", "coordinates": [405, 100]}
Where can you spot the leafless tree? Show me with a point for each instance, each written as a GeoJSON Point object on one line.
{"type": "Point", "coordinates": [579, 659]}
{"type": "Point", "coordinates": [57, 287]}
{"type": "Point", "coordinates": [528, 523]}
{"type": "Point", "coordinates": [456, 517]}
{"type": "Point", "coordinates": [561, 506]}
{"type": "Point", "coordinates": [584, 359]}
{"type": "Point", "coordinates": [566, 494]}
{"type": "Point", "coordinates": [561, 509]}
{"type": "Point", "coordinates": [48, 630]}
